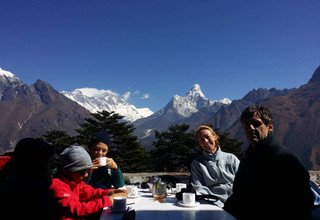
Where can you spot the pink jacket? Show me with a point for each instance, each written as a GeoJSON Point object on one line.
{"type": "Point", "coordinates": [78, 200]}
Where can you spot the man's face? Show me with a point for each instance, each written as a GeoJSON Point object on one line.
{"type": "Point", "coordinates": [255, 129]}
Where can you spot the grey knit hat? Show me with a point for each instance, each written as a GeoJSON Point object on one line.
{"type": "Point", "coordinates": [75, 158]}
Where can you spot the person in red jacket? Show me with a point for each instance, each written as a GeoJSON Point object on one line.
{"type": "Point", "coordinates": [74, 198]}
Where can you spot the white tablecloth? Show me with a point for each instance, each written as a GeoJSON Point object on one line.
{"type": "Point", "coordinates": [149, 209]}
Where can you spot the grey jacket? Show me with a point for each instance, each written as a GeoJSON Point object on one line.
{"type": "Point", "coordinates": [213, 174]}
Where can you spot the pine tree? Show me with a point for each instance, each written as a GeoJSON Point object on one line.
{"type": "Point", "coordinates": [127, 151]}
{"type": "Point", "coordinates": [230, 145]}
{"type": "Point", "coordinates": [174, 149]}
{"type": "Point", "coordinates": [60, 139]}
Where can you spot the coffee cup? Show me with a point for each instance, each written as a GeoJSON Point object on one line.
{"type": "Point", "coordinates": [132, 190]}
{"type": "Point", "coordinates": [188, 198]}
{"type": "Point", "coordinates": [119, 204]}
{"type": "Point", "coordinates": [180, 186]}
{"type": "Point", "coordinates": [102, 161]}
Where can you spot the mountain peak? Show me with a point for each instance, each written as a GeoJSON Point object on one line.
{"type": "Point", "coordinates": [196, 91]}
{"type": "Point", "coordinates": [93, 92]}
{"type": "Point", "coordinates": [8, 81]}
{"type": "Point", "coordinates": [8, 76]}
{"type": "Point", "coordinates": [6, 73]}
{"type": "Point", "coordinates": [316, 76]}
{"type": "Point", "coordinates": [96, 100]}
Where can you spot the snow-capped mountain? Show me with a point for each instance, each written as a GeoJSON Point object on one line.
{"type": "Point", "coordinates": [8, 79]}
{"type": "Point", "coordinates": [32, 110]}
{"type": "Point", "coordinates": [192, 102]}
{"type": "Point", "coordinates": [96, 100]}
{"type": "Point", "coordinates": [178, 110]}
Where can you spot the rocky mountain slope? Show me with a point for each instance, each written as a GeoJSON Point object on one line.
{"type": "Point", "coordinates": [30, 111]}
{"type": "Point", "coordinates": [33, 110]}
{"type": "Point", "coordinates": [192, 106]}
{"type": "Point", "coordinates": [297, 121]}
{"type": "Point", "coordinates": [296, 114]}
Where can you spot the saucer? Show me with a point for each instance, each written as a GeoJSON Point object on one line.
{"type": "Point", "coordinates": [188, 205]}
{"type": "Point", "coordinates": [133, 197]}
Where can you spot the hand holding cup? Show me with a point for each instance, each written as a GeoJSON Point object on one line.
{"type": "Point", "coordinates": [102, 161]}
{"type": "Point", "coordinates": [118, 192]}
{"type": "Point", "coordinates": [111, 164]}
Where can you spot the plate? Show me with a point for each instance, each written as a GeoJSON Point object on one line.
{"type": "Point", "coordinates": [133, 197]}
{"type": "Point", "coordinates": [188, 205]}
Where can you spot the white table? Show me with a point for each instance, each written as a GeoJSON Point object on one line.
{"type": "Point", "coordinates": [149, 209]}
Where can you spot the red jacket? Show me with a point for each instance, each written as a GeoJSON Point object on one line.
{"type": "Point", "coordinates": [78, 200]}
{"type": "Point", "coordinates": [4, 160]}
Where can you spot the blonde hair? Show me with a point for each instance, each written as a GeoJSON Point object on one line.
{"type": "Point", "coordinates": [206, 127]}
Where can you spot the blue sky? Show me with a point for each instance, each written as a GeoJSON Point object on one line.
{"type": "Point", "coordinates": [155, 49]}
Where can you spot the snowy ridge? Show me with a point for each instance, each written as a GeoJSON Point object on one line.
{"type": "Point", "coordinates": [8, 77]}
{"type": "Point", "coordinates": [96, 100]}
{"type": "Point", "coordinates": [193, 101]}
{"type": "Point", "coordinates": [7, 74]}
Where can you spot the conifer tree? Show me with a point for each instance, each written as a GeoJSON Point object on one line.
{"type": "Point", "coordinates": [60, 139]}
{"type": "Point", "coordinates": [230, 145]}
{"type": "Point", "coordinates": [174, 149]}
{"type": "Point", "coordinates": [125, 148]}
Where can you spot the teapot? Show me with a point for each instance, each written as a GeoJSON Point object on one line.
{"type": "Point", "coordinates": [159, 188]}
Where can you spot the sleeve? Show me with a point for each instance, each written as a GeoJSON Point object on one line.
{"type": "Point", "coordinates": [79, 202]}
{"type": "Point", "coordinates": [117, 178]}
{"type": "Point", "coordinates": [196, 178]}
{"type": "Point", "coordinates": [235, 163]}
{"type": "Point", "coordinates": [88, 192]}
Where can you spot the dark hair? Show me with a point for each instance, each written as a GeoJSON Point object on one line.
{"type": "Point", "coordinates": [100, 136]}
{"type": "Point", "coordinates": [263, 112]}
{"type": "Point", "coordinates": [32, 153]}
{"type": "Point", "coordinates": [27, 176]}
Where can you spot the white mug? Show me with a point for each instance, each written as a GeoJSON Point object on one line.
{"type": "Point", "coordinates": [132, 190]}
{"type": "Point", "coordinates": [102, 161]}
{"type": "Point", "coordinates": [119, 204]}
{"type": "Point", "coordinates": [180, 186]}
{"type": "Point", "coordinates": [189, 198]}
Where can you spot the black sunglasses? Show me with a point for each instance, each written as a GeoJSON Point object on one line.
{"type": "Point", "coordinates": [83, 172]}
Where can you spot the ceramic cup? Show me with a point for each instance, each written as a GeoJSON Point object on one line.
{"type": "Point", "coordinates": [189, 198]}
{"type": "Point", "coordinates": [102, 161]}
{"type": "Point", "coordinates": [119, 204]}
{"type": "Point", "coordinates": [180, 186]}
{"type": "Point", "coordinates": [132, 190]}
